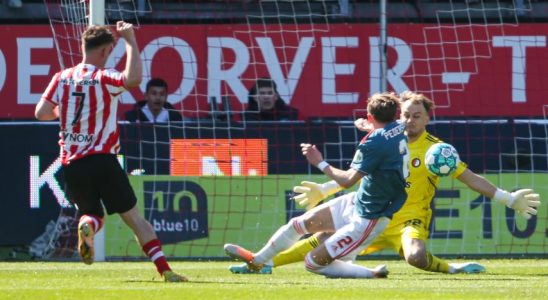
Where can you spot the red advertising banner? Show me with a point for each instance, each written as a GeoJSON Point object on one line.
{"type": "Point", "coordinates": [469, 71]}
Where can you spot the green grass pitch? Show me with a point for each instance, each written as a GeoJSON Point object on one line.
{"type": "Point", "coordinates": [505, 279]}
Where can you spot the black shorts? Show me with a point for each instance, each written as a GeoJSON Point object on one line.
{"type": "Point", "coordinates": [98, 178]}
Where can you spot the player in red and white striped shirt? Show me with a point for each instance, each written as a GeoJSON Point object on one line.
{"type": "Point", "coordinates": [85, 99]}
{"type": "Point", "coordinates": [88, 125]}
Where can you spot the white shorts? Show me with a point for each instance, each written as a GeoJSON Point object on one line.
{"type": "Point", "coordinates": [341, 209]}
{"type": "Point", "coordinates": [349, 240]}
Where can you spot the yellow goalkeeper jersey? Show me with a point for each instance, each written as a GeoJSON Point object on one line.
{"type": "Point", "coordinates": [421, 185]}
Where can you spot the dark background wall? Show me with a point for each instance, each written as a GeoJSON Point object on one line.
{"type": "Point", "coordinates": [495, 145]}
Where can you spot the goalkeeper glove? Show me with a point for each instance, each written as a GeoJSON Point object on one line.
{"type": "Point", "coordinates": [523, 201]}
{"type": "Point", "coordinates": [312, 193]}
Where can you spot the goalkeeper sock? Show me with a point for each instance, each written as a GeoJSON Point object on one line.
{"type": "Point", "coordinates": [282, 239]}
{"type": "Point", "coordinates": [95, 222]}
{"type": "Point", "coordinates": [297, 252]}
{"type": "Point", "coordinates": [337, 269]}
{"type": "Point", "coordinates": [436, 264]}
{"type": "Point", "coordinates": [153, 249]}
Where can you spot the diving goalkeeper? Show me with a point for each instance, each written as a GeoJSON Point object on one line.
{"type": "Point", "coordinates": [407, 232]}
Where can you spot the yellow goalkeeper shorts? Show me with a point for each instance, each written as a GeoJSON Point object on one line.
{"type": "Point", "coordinates": [396, 232]}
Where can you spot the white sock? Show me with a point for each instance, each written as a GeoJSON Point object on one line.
{"type": "Point", "coordinates": [337, 269]}
{"type": "Point", "coordinates": [349, 259]}
{"type": "Point", "coordinates": [282, 239]}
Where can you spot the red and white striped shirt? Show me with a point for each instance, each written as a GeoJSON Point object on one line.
{"type": "Point", "coordinates": [88, 102]}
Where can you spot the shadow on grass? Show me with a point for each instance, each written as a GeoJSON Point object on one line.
{"type": "Point", "coordinates": [506, 278]}
{"type": "Point", "coordinates": [265, 283]}
{"type": "Point", "coordinates": [480, 276]}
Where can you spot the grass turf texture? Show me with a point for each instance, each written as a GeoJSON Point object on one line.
{"type": "Point", "coordinates": [517, 279]}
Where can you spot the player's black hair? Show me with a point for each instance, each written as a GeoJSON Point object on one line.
{"type": "Point", "coordinates": [261, 83]}
{"type": "Point", "coordinates": [157, 82]}
{"type": "Point", "coordinates": [252, 105]}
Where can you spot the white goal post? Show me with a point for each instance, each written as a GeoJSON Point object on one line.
{"type": "Point", "coordinates": [97, 12]}
{"type": "Point", "coordinates": [97, 17]}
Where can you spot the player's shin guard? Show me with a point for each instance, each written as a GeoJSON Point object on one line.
{"type": "Point", "coordinates": [337, 269]}
{"type": "Point", "coordinates": [153, 249]}
{"type": "Point", "coordinates": [296, 253]}
{"type": "Point", "coordinates": [284, 238]}
{"type": "Point", "coordinates": [436, 264]}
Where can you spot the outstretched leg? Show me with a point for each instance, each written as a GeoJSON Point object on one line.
{"type": "Point", "coordinates": [150, 244]}
{"type": "Point", "coordinates": [315, 220]}
{"type": "Point", "coordinates": [347, 242]}
{"type": "Point", "coordinates": [415, 253]}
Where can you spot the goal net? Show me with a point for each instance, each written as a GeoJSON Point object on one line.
{"type": "Point", "coordinates": [457, 48]}
{"type": "Point", "coordinates": [219, 176]}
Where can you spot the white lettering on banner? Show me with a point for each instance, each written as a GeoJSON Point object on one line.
{"type": "Point", "coordinates": [3, 70]}
{"type": "Point", "coordinates": [394, 74]}
{"type": "Point", "coordinates": [232, 75]}
{"type": "Point", "coordinates": [210, 166]}
{"type": "Point", "coordinates": [163, 225]}
{"type": "Point", "coordinates": [215, 64]}
{"type": "Point", "coordinates": [236, 163]}
{"type": "Point", "coordinates": [330, 69]}
{"type": "Point", "coordinates": [455, 77]}
{"type": "Point", "coordinates": [25, 70]}
{"type": "Point", "coordinates": [519, 46]}
{"type": "Point", "coordinates": [38, 180]}
{"type": "Point", "coordinates": [188, 57]}
{"type": "Point", "coordinates": [286, 86]}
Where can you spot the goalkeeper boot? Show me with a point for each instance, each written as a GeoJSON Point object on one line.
{"type": "Point", "coordinates": [170, 276]}
{"type": "Point", "coordinates": [243, 269]}
{"type": "Point", "coordinates": [85, 242]}
{"type": "Point", "coordinates": [467, 267]}
{"type": "Point", "coordinates": [380, 271]}
{"type": "Point", "coordinates": [242, 254]}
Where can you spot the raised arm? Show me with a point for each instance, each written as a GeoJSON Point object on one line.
{"type": "Point", "coordinates": [134, 68]}
{"type": "Point", "coordinates": [478, 183]}
{"type": "Point", "coordinates": [523, 201]}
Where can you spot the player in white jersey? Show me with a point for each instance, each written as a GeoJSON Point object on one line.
{"type": "Point", "coordinates": [85, 99]}
{"type": "Point", "coordinates": [380, 164]}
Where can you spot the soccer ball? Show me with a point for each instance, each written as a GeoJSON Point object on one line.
{"type": "Point", "coordinates": [441, 159]}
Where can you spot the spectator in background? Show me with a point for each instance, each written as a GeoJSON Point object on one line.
{"type": "Point", "coordinates": [265, 104]}
{"type": "Point", "coordinates": [154, 108]}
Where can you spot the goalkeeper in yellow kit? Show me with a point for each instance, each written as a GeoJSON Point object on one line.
{"type": "Point", "coordinates": [407, 232]}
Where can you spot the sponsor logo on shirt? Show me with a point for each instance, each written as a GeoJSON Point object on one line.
{"type": "Point", "coordinates": [70, 81]}
{"type": "Point", "coordinates": [80, 138]}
